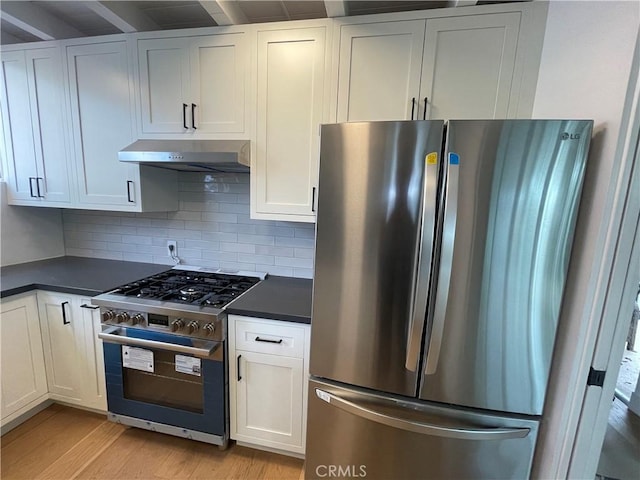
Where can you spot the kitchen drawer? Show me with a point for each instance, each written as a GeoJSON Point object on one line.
{"type": "Point", "coordinates": [266, 336]}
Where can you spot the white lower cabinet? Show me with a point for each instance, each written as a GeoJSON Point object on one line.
{"type": "Point", "coordinates": [73, 353]}
{"type": "Point", "coordinates": [268, 372]}
{"type": "Point", "coordinates": [23, 378]}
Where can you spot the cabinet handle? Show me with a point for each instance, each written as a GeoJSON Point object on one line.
{"type": "Point", "coordinates": [413, 106]}
{"type": "Point", "coordinates": [193, 116]}
{"type": "Point", "coordinates": [64, 314]}
{"type": "Point", "coordinates": [31, 179]}
{"type": "Point", "coordinates": [313, 199]}
{"type": "Point", "coordinates": [184, 116]}
{"type": "Point", "coordinates": [38, 186]}
{"type": "Point", "coordinates": [424, 114]}
{"type": "Point", "coordinates": [84, 305]}
{"type": "Point", "coordinates": [258, 339]}
{"type": "Point", "coordinates": [129, 185]}
{"type": "Point", "coordinates": [238, 367]}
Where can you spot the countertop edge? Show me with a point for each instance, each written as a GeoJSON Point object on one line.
{"type": "Point", "coordinates": [269, 315]}
{"type": "Point", "coordinates": [49, 288]}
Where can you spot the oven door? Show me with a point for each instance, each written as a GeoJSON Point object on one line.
{"type": "Point", "coordinates": [166, 379]}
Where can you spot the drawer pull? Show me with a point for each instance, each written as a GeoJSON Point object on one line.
{"type": "Point", "coordinates": [258, 339]}
{"type": "Point", "coordinates": [84, 305]}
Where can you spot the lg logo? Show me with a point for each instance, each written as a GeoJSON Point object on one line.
{"type": "Point", "coordinates": [570, 136]}
{"type": "Point", "coordinates": [334, 471]}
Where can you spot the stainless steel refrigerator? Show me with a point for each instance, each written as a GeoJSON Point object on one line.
{"type": "Point", "coordinates": [441, 261]}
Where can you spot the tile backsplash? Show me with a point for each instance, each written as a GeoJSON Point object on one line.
{"type": "Point", "coordinates": [212, 229]}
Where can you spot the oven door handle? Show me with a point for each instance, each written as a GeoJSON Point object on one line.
{"type": "Point", "coordinates": [110, 336]}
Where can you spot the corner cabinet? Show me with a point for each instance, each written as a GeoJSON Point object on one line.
{"type": "Point", "coordinates": [268, 372]}
{"type": "Point", "coordinates": [448, 67]}
{"type": "Point", "coordinates": [195, 86]}
{"type": "Point", "coordinates": [33, 111]}
{"type": "Point", "coordinates": [72, 350]}
{"type": "Point", "coordinates": [101, 97]}
{"type": "Point", "coordinates": [291, 99]}
{"type": "Point", "coordinates": [24, 379]}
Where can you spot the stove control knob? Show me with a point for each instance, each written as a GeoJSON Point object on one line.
{"type": "Point", "coordinates": [193, 327]}
{"type": "Point", "coordinates": [122, 317]}
{"type": "Point", "coordinates": [209, 329]}
{"type": "Point", "coordinates": [137, 319]}
{"type": "Point", "coordinates": [108, 315]}
{"type": "Point", "coordinates": [176, 325]}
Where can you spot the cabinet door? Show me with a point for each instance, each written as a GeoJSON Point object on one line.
{"type": "Point", "coordinates": [62, 340]}
{"type": "Point", "coordinates": [219, 65]}
{"type": "Point", "coordinates": [23, 373]}
{"type": "Point", "coordinates": [379, 71]}
{"type": "Point", "coordinates": [101, 100]}
{"type": "Point", "coordinates": [94, 380]}
{"type": "Point", "coordinates": [44, 67]}
{"type": "Point", "coordinates": [468, 65]}
{"type": "Point", "coordinates": [18, 131]}
{"type": "Point", "coordinates": [269, 400]}
{"type": "Point", "coordinates": [291, 78]}
{"type": "Point", "coordinates": [164, 85]}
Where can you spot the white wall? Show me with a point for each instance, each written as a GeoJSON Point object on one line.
{"type": "Point", "coordinates": [28, 233]}
{"type": "Point", "coordinates": [584, 72]}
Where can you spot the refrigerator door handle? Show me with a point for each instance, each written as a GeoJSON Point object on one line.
{"type": "Point", "coordinates": [487, 433]}
{"type": "Point", "coordinates": [423, 263]}
{"type": "Point", "coordinates": [446, 264]}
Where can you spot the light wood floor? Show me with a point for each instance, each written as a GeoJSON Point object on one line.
{"type": "Point", "coordinates": [66, 443]}
{"type": "Point", "coordinates": [620, 457]}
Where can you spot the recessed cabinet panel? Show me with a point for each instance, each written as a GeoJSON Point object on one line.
{"type": "Point", "coordinates": [101, 109]}
{"type": "Point", "coordinates": [49, 124]}
{"type": "Point", "coordinates": [21, 160]}
{"type": "Point", "coordinates": [290, 104]}
{"type": "Point", "coordinates": [164, 85]}
{"type": "Point", "coordinates": [219, 73]}
{"type": "Point", "coordinates": [379, 74]}
{"type": "Point", "coordinates": [62, 337]}
{"type": "Point", "coordinates": [95, 395]}
{"type": "Point", "coordinates": [23, 376]}
{"type": "Point", "coordinates": [468, 66]}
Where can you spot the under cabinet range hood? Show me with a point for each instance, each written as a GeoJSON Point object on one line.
{"type": "Point", "coordinates": [190, 155]}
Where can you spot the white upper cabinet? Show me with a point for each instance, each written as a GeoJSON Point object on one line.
{"type": "Point", "coordinates": [438, 68]}
{"type": "Point", "coordinates": [33, 111]}
{"type": "Point", "coordinates": [101, 94]}
{"type": "Point", "coordinates": [379, 70]}
{"type": "Point", "coordinates": [468, 66]}
{"type": "Point", "coordinates": [194, 85]}
{"type": "Point", "coordinates": [290, 108]}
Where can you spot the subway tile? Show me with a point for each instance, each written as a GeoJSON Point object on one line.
{"type": "Point", "coordinates": [277, 251]}
{"type": "Point", "coordinates": [220, 256]}
{"type": "Point", "coordinates": [184, 215]}
{"type": "Point", "coordinates": [195, 253]}
{"type": "Point", "coordinates": [136, 222]}
{"type": "Point", "coordinates": [74, 235]}
{"type": "Point", "coordinates": [161, 260]}
{"type": "Point", "coordinates": [91, 244]}
{"type": "Point", "coordinates": [162, 242]}
{"type": "Point", "coordinates": [78, 252]}
{"type": "Point", "coordinates": [238, 247]}
{"type": "Point", "coordinates": [244, 199]}
{"type": "Point", "coordinates": [235, 266]}
{"type": "Point", "coordinates": [122, 247]}
{"type": "Point", "coordinates": [294, 262]}
{"type": "Point", "coordinates": [294, 242]}
{"type": "Point", "coordinates": [192, 206]}
{"type": "Point", "coordinates": [152, 232]}
{"type": "Point", "coordinates": [305, 233]}
{"type": "Point", "coordinates": [303, 272]}
{"type": "Point", "coordinates": [154, 215]}
{"type": "Point", "coordinates": [152, 250]}
{"type": "Point", "coordinates": [249, 258]}
{"type": "Point", "coordinates": [122, 230]}
{"type": "Point", "coordinates": [220, 236]}
{"type": "Point", "coordinates": [219, 217]}
{"type": "Point", "coordinates": [234, 208]}
{"type": "Point", "coordinates": [206, 263]}
{"type": "Point", "coordinates": [249, 220]}
{"type": "Point", "coordinates": [304, 253]}
{"type": "Point", "coordinates": [256, 239]}
{"type": "Point", "coordinates": [237, 228]}
{"type": "Point", "coordinates": [202, 244]}
{"type": "Point", "coordinates": [137, 239]}
{"type": "Point", "coordinates": [204, 226]}
{"type": "Point", "coordinates": [106, 237]}
{"type": "Point", "coordinates": [175, 233]}
{"type": "Point", "coordinates": [166, 223]}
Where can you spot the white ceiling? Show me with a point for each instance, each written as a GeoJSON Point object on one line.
{"type": "Point", "coordinates": [31, 21]}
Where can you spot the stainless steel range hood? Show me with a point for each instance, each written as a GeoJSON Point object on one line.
{"type": "Point", "coordinates": [190, 155]}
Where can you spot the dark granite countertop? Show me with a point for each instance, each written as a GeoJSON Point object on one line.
{"type": "Point", "coordinates": [77, 275]}
{"type": "Point", "coordinates": [277, 298]}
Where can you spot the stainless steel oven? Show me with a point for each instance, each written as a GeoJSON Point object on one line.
{"type": "Point", "coordinates": [165, 352]}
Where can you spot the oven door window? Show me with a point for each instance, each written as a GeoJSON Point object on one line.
{"type": "Point", "coordinates": [164, 386]}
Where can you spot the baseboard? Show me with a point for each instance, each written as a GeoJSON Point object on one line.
{"type": "Point", "coordinates": [23, 417]}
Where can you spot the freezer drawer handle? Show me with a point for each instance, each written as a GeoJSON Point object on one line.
{"type": "Point", "coordinates": [110, 336]}
{"type": "Point", "coordinates": [490, 433]}
{"type": "Point", "coordinates": [258, 339]}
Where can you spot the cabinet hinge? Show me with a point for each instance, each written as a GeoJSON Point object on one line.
{"type": "Point", "coordinates": [596, 377]}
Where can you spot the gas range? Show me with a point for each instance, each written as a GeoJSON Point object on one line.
{"type": "Point", "coordinates": [185, 301]}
